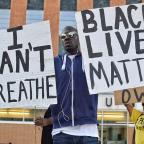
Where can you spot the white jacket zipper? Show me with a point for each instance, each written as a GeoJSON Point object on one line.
{"type": "Point", "coordinates": [72, 107]}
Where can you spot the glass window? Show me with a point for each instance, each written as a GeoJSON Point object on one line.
{"type": "Point", "coordinates": [112, 116]}
{"type": "Point", "coordinates": [32, 4]}
{"type": "Point", "coordinates": [17, 114]}
{"type": "Point", "coordinates": [5, 4]}
{"type": "Point", "coordinates": [113, 126]}
{"type": "Point", "coordinates": [114, 134]}
{"type": "Point", "coordinates": [100, 3]}
{"type": "Point", "coordinates": [68, 5]}
{"type": "Point", "coordinates": [133, 1]}
{"type": "Point", "coordinates": [35, 4]}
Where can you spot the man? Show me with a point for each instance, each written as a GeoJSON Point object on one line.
{"type": "Point", "coordinates": [47, 130]}
{"type": "Point", "coordinates": [46, 137]}
{"type": "Point", "coordinates": [75, 115]}
{"type": "Point", "coordinates": [137, 117]}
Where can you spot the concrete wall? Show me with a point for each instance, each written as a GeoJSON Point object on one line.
{"type": "Point", "coordinates": [19, 134]}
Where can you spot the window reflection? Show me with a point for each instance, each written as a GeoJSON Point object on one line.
{"type": "Point", "coordinates": [100, 3]}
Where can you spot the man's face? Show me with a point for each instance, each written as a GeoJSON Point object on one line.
{"type": "Point", "coordinates": [70, 40]}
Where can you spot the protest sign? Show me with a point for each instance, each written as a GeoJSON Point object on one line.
{"type": "Point", "coordinates": [27, 76]}
{"type": "Point", "coordinates": [112, 45]}
{"type": "Point", "coordinates": [131, 95]}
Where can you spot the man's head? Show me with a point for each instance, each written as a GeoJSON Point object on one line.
{"type": "Point", "coordinates": [70, 41]}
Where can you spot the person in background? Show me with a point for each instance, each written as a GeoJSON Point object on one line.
{"type": "Point", "coordinates": [137, 117]}
{"type": "Point", "coordinates": [46, 137]}
{"type": "Point", "coordinates": [74, 117]}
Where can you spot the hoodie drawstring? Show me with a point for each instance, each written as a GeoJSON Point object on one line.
{"type": "Point", "coordinates": [83, 65]}
{"type": "Point", "coordinates": [64, 62]}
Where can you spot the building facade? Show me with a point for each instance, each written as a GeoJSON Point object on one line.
{"type": "Point", "coordinates": [16, 125]}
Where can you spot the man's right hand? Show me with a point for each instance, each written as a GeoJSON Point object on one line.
{"type": "Point", "coordinates": [39, 121]}
{"type": "Point", "coordinates": [43, 121]}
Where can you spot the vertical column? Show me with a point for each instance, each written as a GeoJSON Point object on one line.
{"type": "Point", "coordinates": [18, 12]}
{"type": "Point", "coordinates": [52, 12]}
{"type": "Point", "coordinates": [117, 2]}
{"type": "Point", "coordinates": [84, 4]}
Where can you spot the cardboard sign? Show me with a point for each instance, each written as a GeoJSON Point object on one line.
{"type": "Point", "coordinates": [129, 95]}
{"type": "Point", "coordinates": [112, 46]}
{"type": "Point", "coordinates": [27, 76]}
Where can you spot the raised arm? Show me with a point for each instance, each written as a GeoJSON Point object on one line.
{"type": "Point", "coordinates": [129, 108]}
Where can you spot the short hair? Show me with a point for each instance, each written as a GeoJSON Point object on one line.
{"type": "Point", "coordinates": [70, 28]}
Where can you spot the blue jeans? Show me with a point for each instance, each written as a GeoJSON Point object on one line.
{"type": "Point", "coordinates": [62, 138]}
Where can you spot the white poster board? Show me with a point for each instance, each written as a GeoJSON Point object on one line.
{"type": "Point", "coordinates": [112, 45]}
{"type": "Point", "coordinates": [27, 76]}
